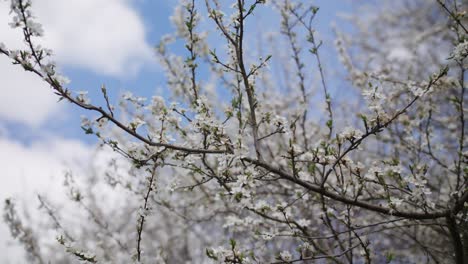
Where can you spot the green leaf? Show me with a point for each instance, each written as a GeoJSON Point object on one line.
{"type": "Point", "coordinates": [233, 243]}
{"type": "Point", "coordinates": [210, 253]}
{"type": "Point", "coordinates": [389, 257]}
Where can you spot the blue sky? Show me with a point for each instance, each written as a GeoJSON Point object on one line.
{"type": "Point", "coordinates": [154, 17]}
{"type": "Point", "coordinates": [96, 42]}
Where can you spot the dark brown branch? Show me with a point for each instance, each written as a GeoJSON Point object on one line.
{"type": "Point", "coordinates": [63, 93]}
{"type": "Point", "coordinates": [248, 88]}
{"type": "Point", "coordinates": [456, 240]}
{"type": "Point", "coordinates": [319, 257]}
{"type": "Point", "coordinates": [145, 209]}
{"type": "Point", "coordinates": [346, 200]}
{"type": "Point", "coordinates": [454, 16]}
{"type": "Point", "coordinates": [380, 126]}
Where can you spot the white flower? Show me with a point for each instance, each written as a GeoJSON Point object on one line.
{"type": "Point", "coordinates": [372, 172]}
{"type": "Point", "coordinates": [280, 206]}
{"type": "Point", "coordinates": [351, 133]}
{"type": "Point", "coordinates": [267, 236]}
{"type": "Point", "coordinates": [217, 13]}
{"type": "Point", "coordinates": [331, 211]}
{"type": "Point", "coordinates": [83, 97]}
{"type": "Point", "coordinates": [279, 121]}
{"type": "Point", "coordinates": [35, 28]}
{"type": "Point", "coordinates": [396, 201]}
{"type": "Point", "coordinates": [85, 122]}
{"type": "Point", "coordinates": [127, 95]}
{"type": "Point", "coordinates": [136, 123]}
{"type": "Point", "coordinates": [16, 22]}
{"type": "Point", "coordinates": [373, 95]}
{"type": "Point", "coordinates": [305, 176]}
{"type": "Point", "coordinates": [395, 169]}
{"type": "Point", "coordinates": [48, 69]}
{"type": "Point", "coordinates": [426, 191]}
{"type": "Point", "coordinates": [136, 150]}
{"type": "Point", "coordinates": [157, 104]}
{"type": "Point", "coordinates": [460, 51]}
{"type": "Point", "coordinates": [14, 54]}
{"type": "Point", "coordinates": [308, 156]}
{"type": "Point", "coordinates": [102, 122]}
{"type": "Point", "coordinates": [303, 222]}
{"type": "Point", "coordinates": [416, 90]}
{"type": "Point", "coordinates": [307, 246]}
{"type": "Point", "coordinates": [230, 221]}
{"type": "Point", "coordinates": [62, 80]}
{"type": "Point", "coordinates": [327, 159]}
{"type": "Point", "coordinates": [286, 256]}
{"type": "Point", "coordinates": [262, 206]}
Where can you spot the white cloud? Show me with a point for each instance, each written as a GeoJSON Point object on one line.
{"type": "Point", "coordinates": [37, 168]}
{"type": "Point", "coordinates": [28, 168]}
{"type": "Point", "coordinates": [107, 37]}
{"type": "Point", "coordinates": [24, 97]}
